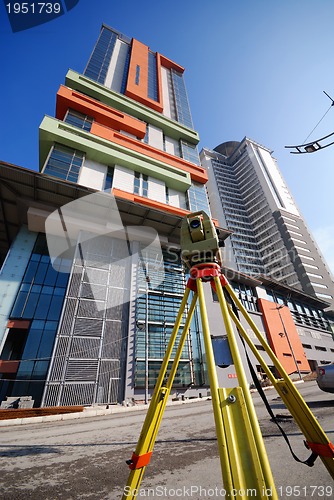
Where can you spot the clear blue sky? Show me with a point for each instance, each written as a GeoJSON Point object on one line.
{"type": "Point", "coordinates": [254, 68]}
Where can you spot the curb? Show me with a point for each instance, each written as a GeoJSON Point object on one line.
{"type": "Point", "coordinates": [91, 412]}
{"type": "Point", "coordinates": [100, 412]}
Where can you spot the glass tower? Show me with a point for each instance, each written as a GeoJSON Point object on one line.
{"type": "Point", "coordinates": [269, 236]}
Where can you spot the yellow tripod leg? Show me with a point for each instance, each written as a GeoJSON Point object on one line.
{"type": "Point", "coordinates": [244, 430]}
{"type": "Point", "coordinates": [316, 438]}
{"type": "Point", "coordinates": [213, 381]}
{"type": "Point", "coordinates": [148, 435]}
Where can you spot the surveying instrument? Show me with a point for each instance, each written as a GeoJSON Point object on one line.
{"type": "Point", "coordinates": [243, 457]}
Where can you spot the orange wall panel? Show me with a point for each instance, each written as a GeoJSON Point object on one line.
{"type": "Point", "coordinates": [276, 321]}
{"type": "Point", "coordinates": [168, 63]}
{"type": "Point", "coordinates": [197, 173]}
{"type": "Point", "coordinates": [19, 324]}
{"type": "Point", "coordinates": [67, 98]}
{"type": "Point", "coordinates": [137, 88]}
{"type": "Point", "coordinates": [9, 366]}
{"type": "Point", "coordinates": [119, 193]}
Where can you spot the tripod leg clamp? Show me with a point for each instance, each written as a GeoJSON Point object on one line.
{"type": "Point", "coordinates": [323, 450]}
{"type": "Point", "coordinates": [139, 461]}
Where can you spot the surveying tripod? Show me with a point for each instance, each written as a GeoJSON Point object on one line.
{"type": "Point", "coordinates": [243, 457]}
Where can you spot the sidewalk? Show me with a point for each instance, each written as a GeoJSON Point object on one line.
{"type": "Point", "coordinates": [96, 411]}
{"type": "Point", "coordinates": [99, 411]}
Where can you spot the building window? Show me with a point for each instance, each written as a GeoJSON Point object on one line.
{"type": "Point", "coordinates": [167, 195]}
{"type": "Point", "coordinates": [302, 313]}
{"type": "Point", "coordinates": [158, 310]}
{"type": "Point", "coordinates": [245, 293]}
{"type": "Point", "coordinates": [39, 299]}
{"type": "Point", "coordinates": [109, 179]}
{"type": "Point", "coordinates": [99, 61]}
{"type": "Point", "coordinates": [79, 120]}
{"type": "Point", "coordinates": [126, 70]}
{"type": "Point", "coordinates": [141, 184]}
{"type": "Point", "coordinates": [152, 89]}
{"type": "Point", "coordinates": [145, 140]}
{"type": "Point", "coordinates": [181, 100]}
{"type": "Point", "coordinates": [137, 74]}
{"type": "Point", "coordinates": [64, 163]}
{"type": "Point", "coordinates": [197, 198]}
{"type": "Point", "coordinates": [190, 153]}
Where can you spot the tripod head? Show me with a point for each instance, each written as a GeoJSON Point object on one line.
{"type": "Point", "coordinates": [199, 240]}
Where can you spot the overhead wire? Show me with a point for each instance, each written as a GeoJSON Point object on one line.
{"type": "Point", "coordinates": [304, 141]}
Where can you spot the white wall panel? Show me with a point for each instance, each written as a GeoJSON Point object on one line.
{"type": "Point", "coordinates": [156, 190]}
{"type": "Point", "coordinates": [115, 71]}
{"type": "Point", "coordinates": [165, 92]}
{"type": "Point", "coordinates": [155, 137]}
{"type": "Point", "coordinates": [276, 191]}
{"type": "Point", "coordinates": [177, 199]}
{"type": "Point", "coordinates": [92, 174]}
{"type": "Point", "coordinates": [172, 146]}
{"type": "Point", "coordinates": [123, 179]}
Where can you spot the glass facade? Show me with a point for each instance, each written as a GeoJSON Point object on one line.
{"type": "Point", "coordinates": [197, 198]}
{"type": "Point", "coordinates": [303, 314]}
{"type": "Point", "coordinates": [152, 91]}
{"type": "Point", "coordinates": [190, 153]}
{"type": "Point", "coordinates": [158, 309]}
{"type": "Point", "coordinates": [245, 293]}
{"type": "Point", "coordinates": [64, 163]}
{"type": "Point", "coordinates": [126, 70]}
{"type": "Point", "coordinates": [40, 299]}
{"type": "Point", "coordinates": [181, 100]}
{"type": "Point", "coordinates": [79, 120]}
{"type": "Point", "coordinates": [99, 61]}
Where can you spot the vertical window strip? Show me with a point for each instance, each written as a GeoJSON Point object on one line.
{"type": "Point", "coordinates": [109, 179]}
{"type": "Point", "coordinates": [140, 184]}
{"type": "Point", "coordinates": [99, 61]}
{"type": "Point", "coordinates": [181, 100]}
{"type": "Point", "coordinates": [152, 90]}
{"type": "Point", "coordinates": [137, 74]}
{"type": "Point", "coordinates": [126, 71]}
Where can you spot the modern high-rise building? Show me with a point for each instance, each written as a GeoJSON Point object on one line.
{"type": "Point", "coordinates": [88, 321]}
{"type": "Point", "coordinates": [123, 127]}
{"type": "Point", "coordinates": [249, 196]}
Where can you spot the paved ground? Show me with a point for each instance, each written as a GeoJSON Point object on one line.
{"type": "Point", "coordinates": [85, 459]}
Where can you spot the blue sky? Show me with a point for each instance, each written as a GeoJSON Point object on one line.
{"type": "Point", "coordinates": [254, 68]}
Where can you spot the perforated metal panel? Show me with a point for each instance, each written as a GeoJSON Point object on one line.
{"type": "Point", "coordinates": [59, 360]}
{"type": "Point", "coordinates": [89, 357]}
{"type": "Point", "coordinates": [77, 394]}
{"type": "Point", "coordinates": [81, 369]}
{"type": "Point", "coordinates": [88, 326]}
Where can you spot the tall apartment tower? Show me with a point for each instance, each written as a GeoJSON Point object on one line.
{"type": "Point", "coordinates": [122, 127]}
{"type": "Point", "coordinates": [249, 196]}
